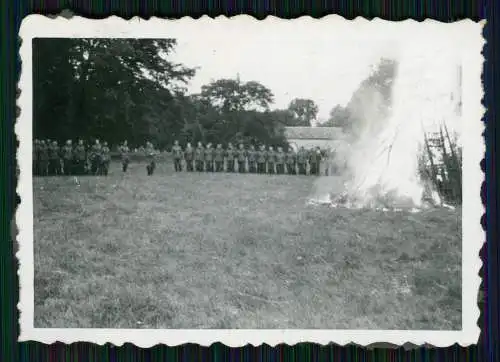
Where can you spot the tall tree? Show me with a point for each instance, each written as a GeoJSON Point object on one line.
{"type": "Point", "coordinates": [107, 88]}
{"type": "Point", "coordinates": [231, 95]}
{"type": "Point", "coordinates": [305, 111]}
{"type": "Point", "coordinates": [339, 117]}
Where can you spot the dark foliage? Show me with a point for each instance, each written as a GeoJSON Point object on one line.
{"type": "Point", "coordinates": [117, 89]}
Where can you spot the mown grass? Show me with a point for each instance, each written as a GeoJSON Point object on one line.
{"type": "Point", "coordinates": [235, 251]}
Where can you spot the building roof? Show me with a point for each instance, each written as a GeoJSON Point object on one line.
{"type": "Point", "coordinates": [312, 133]}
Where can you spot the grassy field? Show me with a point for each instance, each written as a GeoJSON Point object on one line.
{"type": "Point", "coordinates": [235, 251]}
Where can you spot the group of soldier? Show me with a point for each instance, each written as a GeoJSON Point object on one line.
{"type": "Point", "coordinates": [51, 159]}
{"type": "Point", "coordinates": [259, 160]}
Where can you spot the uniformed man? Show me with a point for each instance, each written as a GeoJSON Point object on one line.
{"type": "Point", "coordinates": [188, 157]}
{"type": "Point", "coordinates": [67, 158]}
{"type": "Point", "coordinates": [177, 153]}
{"type": "Point", "coordinates": [241, 155]}
{"type": "Point", "coordinates": [271, 159]}
{"type": "Point", "coordinates": [199, 157]}
{"type": "Point", "coordinates": [230, 153]}
{"type": "Point", "coordinates": [302, 161]}
{"type": "Point", "coordinates": [96, 158]}
{"type": "Point", "coordinates": [330, 168]}
{"type": "Point", "coordinates": [219, 158]}
{"type": "Point", "coordinates": [80, 158]}
{"type": "Point", "coordinates": [54, 159]}
{"type": "Point", "coordinates": [124, 155]}
{"type": "Point", "coordinates": [105, 159]}
{"type": "Point", "coordinates": [314, 160]}
{"type": "Point", "coordinates": [36, 157]}
{"type": "Point", "coordinates": [252, 159]}
{"type": "Point", "coordinates": [44, 158]}
{"type": "Point", "coordinates": [261, 160]}
{"type": "Point", "coordinates": [209, 158]}
{"type": "Point", "coordinates": [291, 162]}
{"type": "Point", "coordinates": [280, 161]}
{"type": "Point", "coordinates": [150, 156]}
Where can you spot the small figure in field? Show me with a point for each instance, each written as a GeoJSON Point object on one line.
{"type": "Point", "coordinates": [96, 158]}
{"type": "Point", "coordinates": [124, 155]}
{"type": "Point", "coordinates": [291, 162]}
{"type": "Point", "coordinates": [230, 153]}
{"type": "Point", "coordinates": [314, 160]}
{"type": "Point", "coordinates": [280, 161]}
{"type": "Point", "coordinates": [331, 168]}
{"type": "Point", "coordinates": [177, 153]}
{"type": "Point", "coordinates": [261, 160]}
{"type": "Point", "coordinates": [36, 157]}
{"type": "Point", "coordinates": [44, 158]}
{"type": "Point", "coordinates": [242, 157]}
{"type": "Point", "coordinates": [105, 159]}
{"type": "Point", "coordinates": [302, 161]}
{"type": "Point", "coordinates": [271, 159]}
{"type": "Point", "coordinates": [79, 159]}
{"type": "Point", "coordinates": [188, 157]}
{"type": "Point", "coordinates": [54, 159]}
{"type": "Point", "coordinates": [209, 158]}
{"type": "Point", "coordinates": [199, 157]}
{"type": "Point", "coordinates": [252, 159]}
{"type": "Point", "coordinates": [219, 158]}
{"type": "Point", "coordinates": [150, 156]}
{"type": "Point", "coordinates": [67, 156]}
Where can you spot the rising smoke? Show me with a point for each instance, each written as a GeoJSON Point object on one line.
{"type": "Point", "coordinates": [378, 156]}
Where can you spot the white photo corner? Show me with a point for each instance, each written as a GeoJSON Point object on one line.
{"type": "Point", "coordinates": [241, 181]}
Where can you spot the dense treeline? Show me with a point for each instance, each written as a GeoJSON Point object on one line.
{"type": "Point", "coordinates": [117, 89]}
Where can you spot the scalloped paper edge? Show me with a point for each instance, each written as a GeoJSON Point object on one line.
{"type": "Point", "coordinates": [472, 41]}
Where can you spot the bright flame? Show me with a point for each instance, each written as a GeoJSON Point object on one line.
{"type": "Point", "coordinates": [380, 157]}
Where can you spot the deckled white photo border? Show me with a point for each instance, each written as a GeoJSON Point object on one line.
{"type": "Point", "coordinates": [470, 34]}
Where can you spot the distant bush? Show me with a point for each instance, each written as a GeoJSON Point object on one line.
{"type": "Point", "coordinates": [440, 163]}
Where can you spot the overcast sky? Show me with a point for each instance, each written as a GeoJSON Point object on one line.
{"type": "Point", "coordinates": [325, 64]}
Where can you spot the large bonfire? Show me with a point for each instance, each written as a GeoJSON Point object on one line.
{"type": "Point", "coordinates": [378, 156]}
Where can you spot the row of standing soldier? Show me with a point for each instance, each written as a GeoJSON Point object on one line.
{"type": "Point", "coordinates": [259, 160]}
{"type": "Point", "coordinates": [49, 159]}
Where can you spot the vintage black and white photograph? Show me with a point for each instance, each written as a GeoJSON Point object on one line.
{"type": "Point", "coordinates": [231, 174]}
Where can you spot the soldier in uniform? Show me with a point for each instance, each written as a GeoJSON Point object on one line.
{"type": "Point", "coordinates": [105, 159]}
{"type": "Point", "coordinates": [209, 158]}
{"type": "Point", "coordinates": [261, 160]}
{"type": "Point", "coordinates": [80, 158]}
{"type": "Point", "coordinates": [54, 159]}
{"type": "Point", "coordinates": [67, 156]}
{"type": "Point", "coordinates": [150, 156]}
{"type": "Point", "coordinates": [177, 153]}
{"type": "Point", "coordinates": [96, 158]}
{"type": "Point", "coordinates": [199, 157]}
{"type": "Point", "coordinates": [314, 160]}
{"type": "Point", "coordinates": [44, 158]}
{"type": "Point", "coordinates": [280, 161]}
{"type": "Point", "coordinates": [230, 153]}
{"type": "Point", "coordinates": [302, 161]}
{"type": "Point", "coordinates": [241, 154]}
{"type": "Point", "coordinates": [219, 158]}
{"type": "Point", "coordinates": [291, 162]}
{"type": "Point", "coordinates": [252, 159]}
{"type": "Point", "coordinates": [271, 159]}
{"type": "Point", "coordinates": [188, 157]}
{"type": "Point", "coordinates": [124, 154]}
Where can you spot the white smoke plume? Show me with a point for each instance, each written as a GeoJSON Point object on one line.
{"type": "Point", "coordinates": [389, 114]}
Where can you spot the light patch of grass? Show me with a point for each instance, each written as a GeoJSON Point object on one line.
{"type": "Point", "coordinates": [194, 250]}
